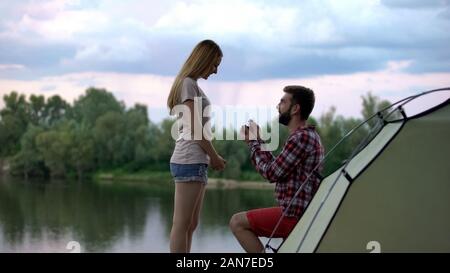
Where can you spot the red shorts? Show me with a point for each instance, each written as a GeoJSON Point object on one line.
{"type": "Point", "coordinates": [263, 221]}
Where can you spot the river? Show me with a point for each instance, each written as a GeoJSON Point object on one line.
{"type": "Point", "coordinates": [44, 216]}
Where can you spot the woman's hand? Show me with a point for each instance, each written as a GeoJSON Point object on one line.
{"type": "Point", "coordinates": [218, 163]}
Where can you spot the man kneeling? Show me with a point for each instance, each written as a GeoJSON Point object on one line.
{"type": "Point", "coordinates": [301, 153]}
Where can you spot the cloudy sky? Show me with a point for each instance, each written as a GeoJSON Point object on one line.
{"type": "Point", "coordinates": [342, 49]}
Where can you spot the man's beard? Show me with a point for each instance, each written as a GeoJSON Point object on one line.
{"type": "Point", "coordinates": [285, 117]}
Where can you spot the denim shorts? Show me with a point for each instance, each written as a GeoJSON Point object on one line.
{"type": "Point", "coordinates": [189, 172]}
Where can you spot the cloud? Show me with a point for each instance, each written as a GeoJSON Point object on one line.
{"type": "Point", "coordinates": [415, 4]}
{"type": "Point", "coordinates": [229, 20]}
{"type": "Point", "coordinates": [11, 67]}
{"type": "Point", "coordinates": [445, 14]}
{"type": "Point", "coordinates": [48, 20]}
{"type": "Point", "coordinates": [343, 91]}
{"type": "Point", "coordinates": [260, 39]}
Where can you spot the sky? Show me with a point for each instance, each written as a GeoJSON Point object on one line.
{"type": "Point", "coordinates": [134, 49]}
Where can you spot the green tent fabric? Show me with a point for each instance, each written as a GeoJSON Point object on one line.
{"type": "Point", "coordinates": [393, 194]}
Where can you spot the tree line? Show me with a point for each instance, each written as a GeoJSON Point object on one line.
{"type": "Point", "coordinates": [52, 138]}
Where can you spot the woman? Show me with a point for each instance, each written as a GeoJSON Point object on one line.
{"type": "Point", "coordinates": [192, 154]}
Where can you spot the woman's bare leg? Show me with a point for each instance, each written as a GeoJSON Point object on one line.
{"type": "Point", "coordinates": [186, 196]}
{"type": "Point", "coordinates": [196, 216]}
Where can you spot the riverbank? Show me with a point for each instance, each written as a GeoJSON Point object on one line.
{"type": "Point", "coordinates": [213, 182]}
{"type": "Point", "coordinates": [220, 183]}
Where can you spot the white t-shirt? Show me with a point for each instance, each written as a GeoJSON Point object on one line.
{"type": "Point", "coordinates": [187, 150]}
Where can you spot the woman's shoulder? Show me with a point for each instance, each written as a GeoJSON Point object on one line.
{"type": "Point", "coordinates": [190, 88]}
{"type": "Point", "coordinates": [189, 81]}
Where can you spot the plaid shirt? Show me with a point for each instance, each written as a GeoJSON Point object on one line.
{"type": "Point", "coordinates": [301, 153]}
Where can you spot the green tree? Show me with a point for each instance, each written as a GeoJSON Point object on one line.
{"type": "Point", "coordinates": [334, 127]}
{"type": "Point", "coordinates": [370, 105]}
{"type": "Point", "coordinates": [37, 109]}
{"type": "Point", "coordinates": [165, 144]}
{"type": "Point", "coordinates": [235, 153]}
{"type": "Point", "coordinates": [137, 138]}
{"type": "Point", "coordinates": [153, 135]}
{"type": "Point", "coordinates": [13, 123]}
{"type": "Point", "coordinates": [95, 103]}
{"type": "Point", "coordinates": [81, 151]}
{"type": "Point", "coordinates": [28, 161]}
{"type": "Point", "coordinates": [109, 132]}
{"type": "Point", "coordinates": [54, 146]}
{"type": "Point", "coordinates": [11, 130]}
{"type": "Point", "coordinates": [15, 105]}
{"type": "Point", "coordinates": [55, 110]}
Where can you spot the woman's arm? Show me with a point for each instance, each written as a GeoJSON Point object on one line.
{"type": "Point", "coordinates": [217, 162]}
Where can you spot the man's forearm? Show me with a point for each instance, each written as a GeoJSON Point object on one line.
{"type": "Point", "coordinates": [260, 159]}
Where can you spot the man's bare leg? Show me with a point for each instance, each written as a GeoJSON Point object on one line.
{"type": "Point", "coordinates": [241, 229]}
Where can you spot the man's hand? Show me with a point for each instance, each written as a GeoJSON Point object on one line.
{"type": "Point", "coordinates": [250, 132]}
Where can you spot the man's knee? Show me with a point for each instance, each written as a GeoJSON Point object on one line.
{"type": "Point", "coordinates": [238, 221]}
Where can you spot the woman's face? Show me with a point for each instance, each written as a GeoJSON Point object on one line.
{"type": "Point", "coordinates": [213, 68]}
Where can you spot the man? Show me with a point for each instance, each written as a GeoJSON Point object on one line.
{"type": "Point", "coordinates": [301, 153]}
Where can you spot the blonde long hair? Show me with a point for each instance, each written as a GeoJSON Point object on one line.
{"type": "Point", "coordinates": [196, 65]}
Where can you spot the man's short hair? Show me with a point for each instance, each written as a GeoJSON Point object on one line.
{"type": "Point", "coordinates": [303, 96]}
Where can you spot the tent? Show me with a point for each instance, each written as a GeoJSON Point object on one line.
{"type": "Point", "coordinates": [393, 193]}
